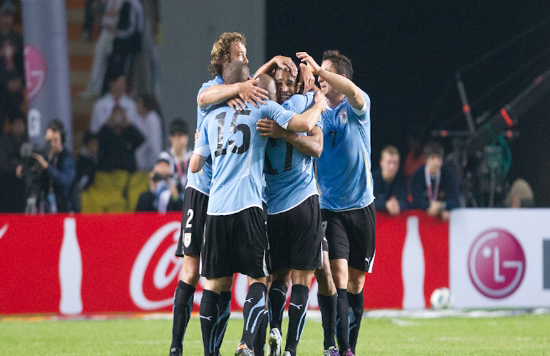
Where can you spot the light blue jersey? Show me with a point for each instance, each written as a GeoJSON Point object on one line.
{"type": "Point", "coordinates": [238, 155]}
{"type": "Point", "coordinates": [344, 169]}
{"type": "Point", "coordinates": [201, 181]}
{"type": "Point", "coordinates": [289, 173]}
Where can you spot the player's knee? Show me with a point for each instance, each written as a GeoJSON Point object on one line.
{"type": "Point", "coordinates": [190, 271]}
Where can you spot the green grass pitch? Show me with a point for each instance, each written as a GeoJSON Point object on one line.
{"type": "Point", "coordinates": [514, 335]}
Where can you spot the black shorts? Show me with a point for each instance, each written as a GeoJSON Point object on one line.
{"type": "Point", "coordinates": [235, 243]}
{"type": "Point", "coordinates": [192, 222]}
{"type": "Point", "coordinates": [351, 235]}
{"type": "Point", "coordinates": [295, 237]}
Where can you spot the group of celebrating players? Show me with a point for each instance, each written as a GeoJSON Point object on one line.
{"type": "Point", "coordinates": [279, 188]}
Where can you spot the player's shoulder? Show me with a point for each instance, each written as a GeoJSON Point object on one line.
{"type": "Point", "coordinates": [217, 80]}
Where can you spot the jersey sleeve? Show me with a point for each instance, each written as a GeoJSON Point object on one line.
{"type": "Point", "coordinates": [201, 146]}
{"type": "Point", "coordinates": [206, 109]}
{"type": "Point", "coordinates": [300, 102]}
{"type": "Point", "coordinates": [363, 115]}
{"type": "Point", "coordinates": [276, 112]}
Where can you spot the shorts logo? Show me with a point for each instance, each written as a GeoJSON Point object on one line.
{"type": "Point", "coordinates": [187, 239]}
{"type": "Point", "coordinates": [343, 115]}
{"type": "Point", "coordinates": [496, 263]}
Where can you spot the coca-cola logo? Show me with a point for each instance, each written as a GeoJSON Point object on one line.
{"type": "Point", "coordinates": [35, 71]}
{"type": "Point", "coordinates": [496, 263]}
{"type": "Point", "coordinates": [166, 267]}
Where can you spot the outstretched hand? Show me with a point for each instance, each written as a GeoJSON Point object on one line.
{"type": "Point", "coordinates": [306, 81]}
{"type": "Point", "coordinates": [309, 62]}
{"type": "Point", "coordinates": [249, 92]}
{"type": "Point", "coordinates": [286, 63]}
{"type": "Point", "coordinates": [270, 128]}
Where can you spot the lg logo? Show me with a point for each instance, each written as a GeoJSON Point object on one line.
{"type": "Point", "coordinates": [496, 264]}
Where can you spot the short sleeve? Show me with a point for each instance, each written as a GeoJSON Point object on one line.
{"type": "Point", "coordinates": [201, 146]}
{"type": "Point", "coordinates": [300, 102]}
{"type": "Point", "coordinates": [363, 113]}
{"type": "Point", "coordinates": [276, 112]}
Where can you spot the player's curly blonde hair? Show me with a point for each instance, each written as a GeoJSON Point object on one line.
{"type": "Point", "coordinates": [221, 50]}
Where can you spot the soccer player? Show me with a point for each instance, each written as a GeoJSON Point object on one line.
{"type": "Point", "coordinates": [235, 238]}
{"type": "Point", "coordinates": [230, 46]}
{"type": "Point", "coordinates": [345, 181]}
{"type": "Point", "coordinates": [294, 227]}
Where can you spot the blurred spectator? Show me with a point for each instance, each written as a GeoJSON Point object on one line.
{"type": "Point", "coordinates": [414, 157]}
{"type": "Point", "coordinates": [149, 123]}
{"type": "Point", "coordinates": [178, 155]}
{"type": "Point", "coordinates": [12, 72]}
{"type": "Point", "coordinates": [390, 186]}
{"type": "Point", "coordinates": [58, 172]}
{"type": "Point", "coordinates": [127, 42]}
{"type": "Point", "coordinates": [520, 195]}
{"type": "Point", "coordinates": [162, 195]}
{"type": "Point", "coordinates": [103, 47]}
{"type": "Point", "coordinates": [12, 186]}
{"type": "Point", "coordinates": [118, 141]}
{"type": "Point", "coordinates": [86, 166]}
{"type": "Point", "coordinates": [92, 10]}
{"type": "Point", "coordinates": [116, 97]}
{"type": "Point", "coordinates": [434, 186]}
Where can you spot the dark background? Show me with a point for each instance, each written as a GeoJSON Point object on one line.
{"type": "Point", "coordinates": [405, 55]}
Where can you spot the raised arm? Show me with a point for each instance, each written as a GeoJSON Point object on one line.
{"type": "Point", "coordinates": [339, 82]}
{"type": "Point", "coordinates": [283, 62]}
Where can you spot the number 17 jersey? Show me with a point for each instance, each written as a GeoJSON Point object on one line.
{"type": "Point", "coordinates": [238, 155]}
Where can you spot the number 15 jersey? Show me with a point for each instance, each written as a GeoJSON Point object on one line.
{"type": "Point", "coordinates": [344, 168]}
{"type": "Point", "coordinates": [238, 155]}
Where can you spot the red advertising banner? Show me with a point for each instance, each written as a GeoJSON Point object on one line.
{"type": "Point", "coordinates": [100, 263]}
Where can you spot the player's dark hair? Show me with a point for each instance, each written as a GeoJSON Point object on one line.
{"type": "Point", "coordinates": [341, 63]}
{"type": "Point", "coordinates": [433, 148]}
{"type": "Point", "coordinates": [57, 126]}
{"type": "Point", "coordinates": [222, 49]}
{"type": "Point", "coordinates": [178, 126]}
{"type": "Point", "coordinates": [236, 72]}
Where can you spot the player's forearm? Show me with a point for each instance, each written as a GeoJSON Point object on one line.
{"type": "Point", "coordinates": [196, 162]}
{"type": "Point", "coordinates": [308, 145]}
{"type": "Point", "coordinates": [306, 121]}
{"type": "Point", "coordinates": [344, 86]}
{"type": "Point", "coordinates": [217, 93]}
{"type": "Point", "coordinates": [267, 68]}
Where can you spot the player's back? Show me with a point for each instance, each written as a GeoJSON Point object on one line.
{"type": "Point", "coordinates": [289, 173]}
{"type": "Point", "coordinates": [238, 154]}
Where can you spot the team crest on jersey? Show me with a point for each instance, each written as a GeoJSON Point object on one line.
{"type": "Point", "coordinates": [187, 239]}
{"type": "Point", "coordinates": [343, 115]}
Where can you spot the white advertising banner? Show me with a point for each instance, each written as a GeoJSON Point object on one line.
{"type": "Point", "coordinates": [500, 257]}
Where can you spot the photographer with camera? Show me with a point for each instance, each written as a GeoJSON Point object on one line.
{"type": "Point", "coordinates": [57, 172]}
{"type": "Point", "coordinates": [118, 141]}
{"type": "Point", "coordinates": [162, 195]}
{"type": "Point", "coordinates": [12, 186]}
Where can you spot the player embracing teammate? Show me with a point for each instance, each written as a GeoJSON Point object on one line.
{"type": "Point", "coordinates": [345, 181]}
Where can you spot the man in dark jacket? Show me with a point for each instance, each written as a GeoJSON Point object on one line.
{"type": "Point", "coordinates": [390, 186]}
{"type": "Point", "coordinates": [118, 140]}
{"type": "Point", "coordinates": [163, 194]}
{"type": "Point", "coordinates": [434, 186]}
{"type": "Point", "coordinates": [58, 172]}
